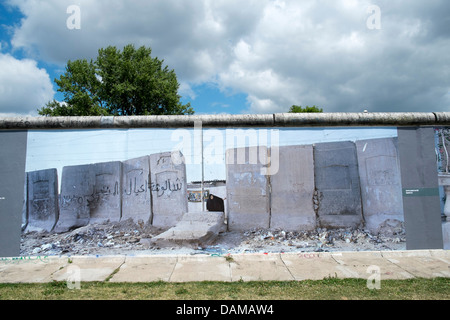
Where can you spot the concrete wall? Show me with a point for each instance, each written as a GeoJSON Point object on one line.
{"type": "Point", "coordinates": [337, 184]}
{"type": "Point", "coordinates": [136, 197]}
{"type": "Point", "coordinates": [42, 199]}
{"type": "Point", "coordinates": [168, 188]}
{"type": "Point", "coordinates": [292, 190]}
{"type": "Point", "coordinates": [106, 201]}
{"type": "Point", "coordinates": [77, 188]}
{"type": "Point", "coordinates": [332, 185]}
{"type": "Point", "coordinates": [109, 192]}
{"type": "Point", "coordinates": [247, 189]}
{"type": "Point", "coordinates": [381, 186]}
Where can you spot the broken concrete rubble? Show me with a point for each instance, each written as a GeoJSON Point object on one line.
{"type": "Point", "coordinates": [131, 238]}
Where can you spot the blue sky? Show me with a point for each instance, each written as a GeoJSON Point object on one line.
{"type": "Point", "coordinates": [253, 56]}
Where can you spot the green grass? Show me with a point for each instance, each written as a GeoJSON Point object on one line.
{"type": "Point", "coordinates": [331, 288]}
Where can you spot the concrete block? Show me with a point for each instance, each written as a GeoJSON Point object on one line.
{"type": "Point", "coordinates": [136, 197]}
{"type": "Point", "coordinates": [195, 229]}
{"type": "Point", "coordinates": [42, 198]}
{"type": "Point", "coordinates": [381, 187]}
{"type": "Point", "coordinates": [293, 189]}
{"type": "Point", "coordinates": [168, 188]}
{"type": "Point", "coordinates": [105, 203]}
{"type": "Point", "coordinates": [337, 184]}
{"type": "Point", "coordinates": [247, 189]}
{"type": "Point", "coordinates": [77, 188]}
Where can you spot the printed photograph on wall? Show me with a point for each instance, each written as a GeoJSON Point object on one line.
{"type": "Point", "coordinates": [442, 145]}
{"type": "Point", "coordinates": [270, 189]}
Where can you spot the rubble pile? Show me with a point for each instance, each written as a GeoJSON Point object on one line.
{"type": "Point", "coordinates": [106, 238]}
{"type": "Point", "coordinates": [131, 238]}
{"type": "Point", "coordinates": [322, 239]}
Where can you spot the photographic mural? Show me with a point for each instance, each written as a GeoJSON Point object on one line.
{"type": "Point", "coordinates": [290, 178]}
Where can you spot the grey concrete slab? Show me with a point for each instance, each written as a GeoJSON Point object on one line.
{"type": "Point", "coordinates": [360, 264]}
{"type": "Point", "coordinates": [136, 197]}
{"type": "Point", "coordinates": [381, 187]}
{"type": "Point", "coordinates": [421, 263]}
{"type": "Point", "coordinates": [247, 189]}
{"type": "Point", "coordinates": [106, 203]}
{"type": "Point", "coordinates": [310, 265]}
{"type": "Point", "coordinates": [247, 267]}
{"type": "Point", "coordinates": [337, 183]}
{"type": "Point", "coordinates": [77, 188]}
{"type": "Point", "coordinates": [30, 269]}
{"type": "Point", "coordinates": [292, 190]}
{"type": "Point", "coordinates": [168, 187]}
{"type": "Point", "coordinates": [146, 269]}
{"type": "Point", "coordinates": [201, 268]}
{"type": "Point", "coordinates": [195, 229]}
{"type": "Point", "coordinates": [89, 268]}
{"type": "Point", "coordinates": [253, 267]}
{"type": "Point", "coordinates": [42, 198]}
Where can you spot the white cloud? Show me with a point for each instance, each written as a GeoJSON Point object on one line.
{"type": "Point", "coordinates": [277, 52]}
{"type": "Point", "coordinates": [23, 86]}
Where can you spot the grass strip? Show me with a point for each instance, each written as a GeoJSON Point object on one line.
{"type": "Point", "coordinates": [326, 289]}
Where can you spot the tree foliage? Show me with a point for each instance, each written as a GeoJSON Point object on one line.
{"type": "Point", "coordinates": [127, 82]}
{"type": "Point", "coordinates": [300, 109]}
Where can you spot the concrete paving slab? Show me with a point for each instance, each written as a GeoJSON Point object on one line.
{"type": "Point", "coordinates": [247, 267]}
{"type": "Point", "coordinates": [254, 267]}
{"type": "Point", "coordinates": [292, 190]}
{"type": "Point", "coordinates": [247, 188]}
{"type": "Point", "coordinates": [359, 265]}
{"type": "Point", "coordinates": [31, 269]}
{"type": "Point", "coordinates": [146, 269]}
{"type": "Point", "coordinates": [309, 265]}
{"type": "Point", "coordinates": [421, 263]}
{"type": "Point", "coordinates": [91, 268]}
{"type": "Point", "coordinates": [77, 188]}
{"type": "Point", "coordinates": [201, 268]}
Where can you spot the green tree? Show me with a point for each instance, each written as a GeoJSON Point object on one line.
{"type": "Point", "coordinates": [127, 82]}
{"type": "Point", "coordinates": [300, 109]}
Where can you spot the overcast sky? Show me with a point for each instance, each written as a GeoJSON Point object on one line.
{"type": "Point", "coordinates": [246, 56]}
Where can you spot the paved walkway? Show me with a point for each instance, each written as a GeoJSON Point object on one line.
{"type": "Point", "coordinates": [215, 267]}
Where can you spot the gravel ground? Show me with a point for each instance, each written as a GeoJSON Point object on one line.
{"type": "Point", "coordinates": [133, 239]}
